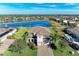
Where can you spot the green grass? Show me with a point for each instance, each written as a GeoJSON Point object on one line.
{"type": "Point", "coordinates": [20, 32]}
{"type": "Point", "coordinates": [20, 48]}
{"type": "Point", "coordinates": [24, 52]}
{"type": "Point", "coordinates": [63, 51]}
{"type": "Point", "coordinates": [66, 50]}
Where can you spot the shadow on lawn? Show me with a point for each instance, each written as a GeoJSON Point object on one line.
{"type": "Point", "coordinates": [52, 46]}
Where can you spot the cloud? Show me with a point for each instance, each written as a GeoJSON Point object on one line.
{"type": "Point", "coordinates": [70, 3]}
{"type": "Point", "coordinates": [38, 9]}
{"type": "Point", "coordinates": [76, 7]}
{"type": "Point", "coordinates": [52, 5]}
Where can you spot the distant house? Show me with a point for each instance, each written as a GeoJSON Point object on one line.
{"type": "Point", "coordinates": [58, 19]}
{"type": "Point", "coordinates": [69, 23]}
{"type": "Point", "coordinates": [77, 24]}
{"type": "Point", "coordinates": [65, 22]}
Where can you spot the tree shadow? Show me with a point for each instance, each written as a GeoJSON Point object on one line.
{"type": "Point", "coordinates": [53, 46]}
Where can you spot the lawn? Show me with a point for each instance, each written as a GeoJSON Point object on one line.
{"type": "Point", "coordinates": [24, 52]}
{"type": "Point", "coordinates": [63, 50]}
{"type": "Point", "coordinates": [19, 34]}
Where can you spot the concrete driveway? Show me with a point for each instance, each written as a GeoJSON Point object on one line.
{"type": "Point", "coordinates": [44, 51]}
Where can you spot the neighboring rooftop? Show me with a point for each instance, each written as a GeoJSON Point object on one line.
{"type": "Point", "coordinates": [2, 30]}
{"type": "Point", "coordinates": [74, 30]}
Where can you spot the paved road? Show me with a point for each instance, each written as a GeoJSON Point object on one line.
{"type": "Point", "coordinates": [5, 45]}
{"type": "Point", "coordinates": [44, 51]}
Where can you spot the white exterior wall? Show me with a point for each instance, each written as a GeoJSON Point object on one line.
{"type": "Point", "coordinates": [39, 40]}
{"type": "Point", "coordinates": [57, 19]}
{"type": "Point", "coordinates": [72, 22]}
{"type": "Point", "coordinates": [65, 21]}
{"type": "Point", "coordinates": [77, 25]}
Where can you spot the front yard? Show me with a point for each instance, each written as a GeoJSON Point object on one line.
{"type": "Point", "coordinates": [20, 46]}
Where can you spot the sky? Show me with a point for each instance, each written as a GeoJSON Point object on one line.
{"type": "Point", "coordinates": [39, 8]}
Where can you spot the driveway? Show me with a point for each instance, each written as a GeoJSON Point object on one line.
{"type": "Point", "coordinates": [44, 51]}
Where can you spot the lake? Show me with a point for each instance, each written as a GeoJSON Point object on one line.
{"type": "Point", "coordinates": [26, 24]}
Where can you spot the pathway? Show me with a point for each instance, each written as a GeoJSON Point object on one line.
{"type": "Point", "coordinates": [44, 51]}
{"type": "Point", "coordinates": [4, 46]}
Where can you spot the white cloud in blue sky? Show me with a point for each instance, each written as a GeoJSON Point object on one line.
{"type": "Point", "coordinates": [34, 8]}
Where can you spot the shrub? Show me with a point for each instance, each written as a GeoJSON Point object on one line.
{"type": "Point", "coordinates": [31, 45]}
